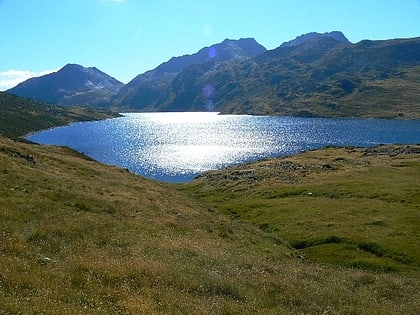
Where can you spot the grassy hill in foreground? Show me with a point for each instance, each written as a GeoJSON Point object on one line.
{"type": "Point", "coordinates": [19, 116]}
{"type": "Point", "coordinates": [82, 237]}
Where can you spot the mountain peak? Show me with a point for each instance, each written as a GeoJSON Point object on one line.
{"type": "Point", "coordinates": [73, 84]}
{"type": "Point", "coordinates": [72, 66]}
{"type": "Point", "coordinates": [336, 35]}
{"type": "Point", "coordinates": [240, 40]}
{"type": "Point", "coordinates": [75, 68]}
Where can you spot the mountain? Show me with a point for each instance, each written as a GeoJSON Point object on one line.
{"type": "Point", "coordinates": [19, 115]}
{"type": "Point", "coordinates": [148, 91]}
{"type": "Point", "coordinates": [71, 85]}
{"type": "Point", "coordinates": [313, 75]}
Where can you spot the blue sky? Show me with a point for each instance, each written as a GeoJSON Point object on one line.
{"type": "Point", "coordinates": [126, 37]}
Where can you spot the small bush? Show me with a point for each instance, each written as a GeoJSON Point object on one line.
{"type": "Point", "coordinates": [372, 248]}
{"type": "Point", "coordinates": [368, 265]}
{"type": "Point", "coordinates": [307, 243]}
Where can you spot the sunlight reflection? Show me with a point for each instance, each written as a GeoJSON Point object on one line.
{"type": "Point", "coordinates": [177, 117]}
{"type": "Point", "coordinates": [196, 158]}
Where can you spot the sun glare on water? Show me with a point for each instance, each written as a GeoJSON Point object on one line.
{"type": "Point", "coordinates": [190, 142]}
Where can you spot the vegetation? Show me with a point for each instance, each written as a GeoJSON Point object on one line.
{"type": "Point", "coordinates": [19, 116]}
{"type": "Point", "coordinates": [82, 237]}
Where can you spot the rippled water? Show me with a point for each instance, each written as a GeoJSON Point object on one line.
{"type": "Point", "coordinates": [176, 147]}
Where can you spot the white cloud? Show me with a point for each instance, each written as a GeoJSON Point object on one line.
{"type": "Point", "coordinates": [11, 78]}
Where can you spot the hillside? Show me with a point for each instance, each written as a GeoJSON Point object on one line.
{"type": "Point", "coordinates": [71, 85]}
{"type": "Point", "coordinates": [19, 116]}
{"type": "Point", "coordinates": [320, 77]}
{"type": "Point", "coordinates": [82, 237]}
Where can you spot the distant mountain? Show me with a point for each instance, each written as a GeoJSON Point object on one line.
{"type": "Point", "coordinates": [313, 75]}
{"type": "Point", "coordinates": [338, 36]}
{"type": "Point", "coordinates": [148, 91]}
{"type": "Point", "coordinates": [71, 85]}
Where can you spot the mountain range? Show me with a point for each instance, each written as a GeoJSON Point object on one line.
{"type": "Point", "coordinates": [312, 75]}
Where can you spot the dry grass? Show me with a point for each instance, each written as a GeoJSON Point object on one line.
{"type": "Point", "coordinates": [79, 237]}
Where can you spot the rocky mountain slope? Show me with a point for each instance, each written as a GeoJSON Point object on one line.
{"type": "Point", "coordinates": [71, 85]}
{"type": "Point", "coordinates": [148, 91]}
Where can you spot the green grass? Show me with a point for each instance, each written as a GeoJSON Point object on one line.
{"type": "Point", "coordinates": [335, 206]}
{"type": "Point", "coordinates": [82, 237]}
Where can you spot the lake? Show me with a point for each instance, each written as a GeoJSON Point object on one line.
{"type": "Point", "coordinates": [176, 147]}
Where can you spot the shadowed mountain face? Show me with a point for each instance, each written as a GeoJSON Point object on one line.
{"type": "Point", "coordinates": [149, 91]}
{"type": "Point", "coordinates": [71, 85]}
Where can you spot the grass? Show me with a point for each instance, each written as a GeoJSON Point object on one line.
{"type": "Point", "coordinates": [337, 205]}
{"type": "Point", "coordinates": [82, 237]}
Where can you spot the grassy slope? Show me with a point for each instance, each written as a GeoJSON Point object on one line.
{"type": "Point", "coordinates": [19, 116]}
{"type": "Point", "coordinates": [82, 237]}
{"type": "Point", "coordinates": [339, 206]}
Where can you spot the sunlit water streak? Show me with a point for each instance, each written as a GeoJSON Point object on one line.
{"type": "Point", "coordinates": [175, 147]}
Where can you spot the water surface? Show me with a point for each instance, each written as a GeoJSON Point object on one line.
{"type": "Point", "coordinates": [175, 147]}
